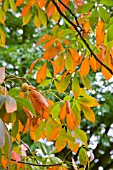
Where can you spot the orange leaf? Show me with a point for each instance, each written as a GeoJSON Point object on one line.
{"type": "Point", "coordinates": [51, 53]}
{"type": "Point", "coordinates": [66, 2]}
{"type": "Point", "coordinates": [28, 113]}
{"type": "Point", "coordinates": [10, 104]}
{"type": "Point", "coordinates": [49, 43]}
{"type": "Point", "coordinates": [32, 65]}
{"type": "Point", "coordinates": [26, 10]}
{"type": "Point", "coordinates": [19, 2]}
{"type": "Point", "coordinates": [41, 74]}
{"type": "Point", "coordinates": [85, 67]}
{"type": "Point", "coordinates": [86, 27]}
{"type": "Point", "coordinates": [15, 156]}
{"type": "Point", "coordinates": [73, 146]}
{"type": "Point", "coordinates": [66, 42]}
{"type": "Point", "coordinates": [74, 55]}
{"type": "Point", "coordinates": [71, 120]}
{"type": "Point", "coordinates": [27, 126]}
{"type": "Point", "coordinates": [43, 39]}
{"type": "Point", "coordinates": [100, 33]}
{"type": "Point", "coordinates": [50, 9]}
{"type": "Point", "coordinates": [41, 3]}
{"type": "Point", "coordinates": [2, 74]}
{"type": "Point", "coordinates": [4, 162]}
{"type": "Point", "coordinates": [63, 113]}
{"type": "Point", "coordinates": [93, 64]}
{"type": "Point", "coordinates": [100, 55]}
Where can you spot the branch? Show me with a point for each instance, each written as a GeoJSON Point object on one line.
{"type": "Point", "coordinates": [79, 33]}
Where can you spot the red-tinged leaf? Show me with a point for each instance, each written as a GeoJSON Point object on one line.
{"type": "Point", "coordinates": [15, 156]}
{"type": "Point", "coordinates": [32, 65]}
{"type": "Point", "coordinates": [26, 18]}
{"type": "Point", "coordinates": [67, 107]}
{"type": "Point", "coordinates": [81, 135]}
{"type": "Point", "coordinates": [2, 74]}
{"type": "Point", "coordinates": [63, 113]}
{"type": "Point", "coordinates": [85, 67]}
{"type": "Point", "coordinates": [39, 97]}
{"type": "Point", "coordinates": [71, 120]}
{"type": "Point", "coordinates": [10, 104]}
{"type": "Point", "coordinates": [49, 43]}
{"type": "Point", "coordinates": [28, 113]}
{"type": "Point", "coordinates": [24, 148]}
{"type": "Point", "coordinates": [19, 2]}
{"type": "Point", "coordinates": [75, 87]}
{"type": "Point", "coordinates": [79, 2]}
{"type": "Point", "coordinates": [50, 8]}
{"type": "Point", "coordinates": [88, 113]}
{"type": "Point", "coordinates": [2, 134]}
{"type": "Point", "coordinates": [93, 64]}
{"type": "Point", "coordinates": [41, 74]}
{"type": "Point", "coordinates": [26, 10]}
{"type": "Point", "coordinates": [83, 157]}
{"type": "Point", "coordinates": [100, 33]}
{"type": "Point", "coordinates": [43, 39]}
{"type": "Point", "coordinates": [73, 146]}
{"type": "Point", "coordinates": [61, 140]}
{"type": "Point", "coordinates": [51, 53]}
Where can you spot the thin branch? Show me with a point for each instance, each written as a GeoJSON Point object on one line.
{"type": "Point", "coordinates": [82, 38]}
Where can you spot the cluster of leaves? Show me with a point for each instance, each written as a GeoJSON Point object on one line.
{"type": "Point", "coordinates": [67, 59]}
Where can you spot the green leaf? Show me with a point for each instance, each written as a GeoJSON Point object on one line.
{"type": "Point", "coordinates": [110, 33]}
{"type": "Point", "coordinates": [88, 113]}
{"type": "Point", "coordinates": [15, 128]}
{"type": "Point", "coordinates": [42, 16]}
{"type": "Point", "coordinates": [45, 83]}
{"type": "Point", "coordinates": [93, 18]}
{"type": "Point", "coordinates": [27, 18]}
{"type": "Point", "coordinates": [76, 113]}
{"type": "Point", "coordinates": [56, 160]}
{"type": "Point", "coordinates": [104, 15]}
{"type": "Point", "coordinates": [75, 86]}
{"type": "Point", "coordinates": [85, 8]}
{"type": "Point", "coordinates": [24, 102]}
{"type": "Point", "coordinates": [86, 82]}
{"type": "Point", "coordinates": [2, 134]}
{"type": "Point", "coordinates": [14, 92]}
{"type": "Point", "coordinates": [6, 5]}
{"type": "Point", "coordinates": [106, 2]}
{"type": "Point", "coordinates": [38, 132]}
{"type": "Point", "coordinates": [81, 135]}
{"type": "Point", "coordinates": [83, 157]}
{"type": "Point", "coordinates": [12, 5]}
{"type": "Point", "coordinates": [55, 110]}
{"type": "Point", "coordinates": [43, 148]}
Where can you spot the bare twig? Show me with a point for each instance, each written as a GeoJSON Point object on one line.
{"type": "Point", "coordinates": [79, 33]}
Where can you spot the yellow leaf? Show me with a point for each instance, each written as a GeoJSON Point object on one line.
{"type": "Point", "coordinates": [88, 113]}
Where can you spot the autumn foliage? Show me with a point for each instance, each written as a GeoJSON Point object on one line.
{"type": "Point", "coordinates": [71, 56]}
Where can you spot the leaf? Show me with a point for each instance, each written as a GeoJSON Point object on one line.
{"type": "Point", "coordinates": [88, 113]}
{"type": "Point", "coordinates": [79, 2]}
{"type": "Point", "coordinates": [26, 18]}
{"type": "Point", "coordinates": [93, 63]}
{"type": "Point", "coordinates": [42, 16]}
{"type": "Point", "coordinates": [2, 74]}
{"type": "Point", "coordinates": [85, 67]}
{"type": "Point", "coordinates": [89, 101]}
{"type": "Point", "coordinates": [6, 5]}
{"type": "Point", "coordinates": [63, 113]}
{"type": "Point", "coordinates": [45, 83]}
{"type": "Point", "coordinates": [12, 5]}
{"type": "Point", "coordinates": [15, 156]}
{"type": "Point", "coordinates": [104, 15]}
{"type": "Point", "coordinates": [94, 18]}
{"type": "Point", "coordinates": [49, 43]}
{"type": "Point", "coordinates": [32, 65]}
{"type": "Point", "coordinates": [37, 21]}
{"type": "Point", "coordinates": [100, 33]}
{"type": "Point", "coordinates": [83, 157]}
{"type": "Point", "coordinates": [24, 102]}
{"type": "Point", "coordinates": [86, 82]}
{"type": "Point", "coordinates": [2, 38]}
{"type": "Point", "coordinates": [41, 74]}
{"type": "Point", "coordinates": [2, 134]}
{"type": "Point", "coordinates": [85, 8]}
{"type": "Point", "coordinates": [71, 120]}
{"type": "Point", "coordinates": [2, 100]}
{"type": "Point", "coordinates": [73, 146]}
{"type": "Point", "coordinates": [106, 73]}
{"type": "Point", "coordinates": [109, 33]}
{"type": "Point", "coordinates": [75, 87]}
{"type": "Point", "coordinates": [77, 114]}
{"type": "Point", "coordinates": [2, 16]}
{"type": "Point", "coordinates": [10, 104]}
{"type": "Point", "coordinates": [63, 84]}
{"type": "Point", "coordinates": [61, 140]}
{"type": "Point", "coordinates": [15, 128]}
{"type": "Point", "coordinates": [51, 53]}
{"type": "Point", "coordinates": [81, 135]}
{"type": "Point", "coordinates": [69, 63]}
{"type": "Point", "coordinates": [26, 10]}
{"type": "Point", "coordinates": [19, 2]}
{"type": "Point", "coordinates": [105, 2]}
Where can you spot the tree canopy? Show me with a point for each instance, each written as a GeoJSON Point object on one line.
{"type": "Point", "coordinates": [51, 54]}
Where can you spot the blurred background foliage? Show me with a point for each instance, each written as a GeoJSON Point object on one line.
{"type": "Point", "coordinates": [19, 54]}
